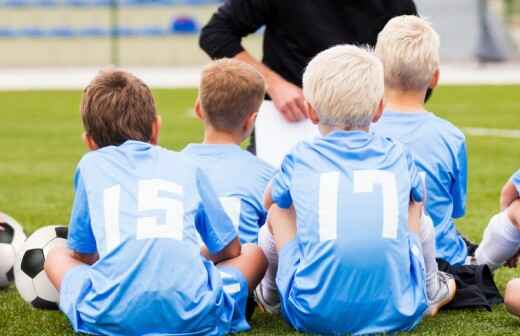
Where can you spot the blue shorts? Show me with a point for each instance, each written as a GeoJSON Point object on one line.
{"type": "Point", "coordinates": [76, 285]}
{"type": "Point", "coordinates": [235, 285]}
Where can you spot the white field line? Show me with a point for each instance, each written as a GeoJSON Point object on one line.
{"type": "Point", "coordinates": [492, 132]}
{"type": "Point", "coordinates": [188, 77]}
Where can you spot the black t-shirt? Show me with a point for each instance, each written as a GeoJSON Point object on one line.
{"type": "Point", "coordinates": [297, 30]}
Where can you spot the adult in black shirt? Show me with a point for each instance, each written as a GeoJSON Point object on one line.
{"type": "Point", "coordinates": [295, 31]}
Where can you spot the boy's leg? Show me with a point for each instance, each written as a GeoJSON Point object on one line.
{"type": "Point", "coordinates": [512, 297]}
{"type": "Point", "coordinates": [501, 239]}
{"type": "Point", "coordinates": [441, 286]}
{"type": "Point", "coordinates": [283, 222]}
{"type": "Point", "coordinates": [427, 236]}
{"type": "Point", "coordinates": [58, 262]}
{"type": "Point", "coordinates": [251, 263]}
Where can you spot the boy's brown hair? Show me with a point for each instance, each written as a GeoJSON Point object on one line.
{"type": "Point", "coordinates": [230, 91]}
{"type": "Point", "coordinates": [116, 107]}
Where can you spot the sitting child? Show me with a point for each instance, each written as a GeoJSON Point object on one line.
{"type": "Point", "coordinates": [350, 259]}
{"type": "Point", "coordinates": [501, 239]}
{"type": "Point", "coordinates": [230, 95]}
{"type": "Point", "coordinates": [133, 265]}
{"type": "Point", "coordinates": [409, 49]}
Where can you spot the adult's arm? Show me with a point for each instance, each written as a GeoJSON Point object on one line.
{"type": "Point", "coordinates": [222, 37]}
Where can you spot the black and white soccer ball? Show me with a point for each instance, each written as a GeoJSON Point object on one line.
{"type": "Point", "coordinates": [11, 241]}
{"type": "Point", "coordinates": [30, 278]}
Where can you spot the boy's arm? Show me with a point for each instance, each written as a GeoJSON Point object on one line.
{"type": "Point", "coordinates": [510, 191]}
{"type": "Point", "coordinates": [214, 225]}
{"type": "Point", "coordinates": [415, 211]}
{"type": "Point", "coordinates": [278, 190]}
{"type": "Point", "coordinates": [81, 238]}
{"type": "Point", "coordinates": [233, 250]}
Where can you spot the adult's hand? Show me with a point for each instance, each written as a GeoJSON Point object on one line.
{"type": "Point", "coordinates": [288, 99]}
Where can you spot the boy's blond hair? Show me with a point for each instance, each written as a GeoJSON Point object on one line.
{"type": "Point", "coordinates": [409, 49]}
{"type": "Point", "coordinates": [344, 85]}
{"type": "Point", "coordinates": [116, 107]}
{"type": "Point", "coordinates": [230, 91]}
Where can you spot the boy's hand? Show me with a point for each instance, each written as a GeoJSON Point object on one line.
{"type": "Point", "coordinates": [508, 195]}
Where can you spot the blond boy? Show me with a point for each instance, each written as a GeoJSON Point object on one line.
{"type": "Point", "coordinates": [350, 259]}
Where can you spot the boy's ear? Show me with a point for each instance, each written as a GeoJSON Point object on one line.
{"type": "Point", "coordinates": [198, 109]}
{"type": "Point", "coordinates": [435, 79]}
{"type": "Point", "coordinates": [379, 111]}
{"type": "Point", "coordinates": [250, 121]}
{"type": "Point", "coordinates": [156, 127]}
{"type": "Point", "coordinates": [88, 141]}
{"type": "Point", "coordinates": [313, 116]}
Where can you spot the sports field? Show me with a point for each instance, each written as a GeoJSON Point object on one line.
{"type": "Point", "coordinates": [40, 145]}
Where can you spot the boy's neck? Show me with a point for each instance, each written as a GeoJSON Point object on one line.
{"type": "Point", "coordinates": [405, 101]}
{"type": "Point", "coordinates": [214, 137]}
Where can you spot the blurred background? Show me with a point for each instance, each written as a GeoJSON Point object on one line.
{"type": "Point", "coordinates": [164, 33]}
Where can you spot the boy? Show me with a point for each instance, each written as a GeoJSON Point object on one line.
{"type": "Point", "coordinates": [348, 260]}
{"type": "Point", "coordinates": [501, 240]}
{"type": "Point", "coordinates": [230, 95]}
{"type": "Point", "coordinates": [133, 265]}
{"type": "Point", "coordinates": [409, 49]}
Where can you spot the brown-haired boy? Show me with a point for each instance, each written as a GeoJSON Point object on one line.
{"type": "Point", "coordinates": [230, 95]}
{"type": "Point", "coordinates": [133, 265]}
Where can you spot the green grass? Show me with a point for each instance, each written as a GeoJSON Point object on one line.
{"type": "Point", "coordinates": [40, 145]}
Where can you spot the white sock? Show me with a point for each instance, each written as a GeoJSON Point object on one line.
{"type": "Point", "coordinates": [500, 242]}
{"type": "Point", "coordinates": [267, 244]}
{"type": "Point", "coordinates": [427, 236]}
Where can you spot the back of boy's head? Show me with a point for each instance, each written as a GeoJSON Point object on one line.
{"type": "Point", "coordinates": [344, 85]}
{"type": "Point", "coordinates": [409, 49]}
{"type": "Point", "coordinates": [230, 91]}
{"type": "Point", "coordinates": [116, 107]}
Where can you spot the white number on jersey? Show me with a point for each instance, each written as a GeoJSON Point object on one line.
{"type": "Point", "coordinates": [364, 181]}
{"type": "Point", "coordinates": [148, 198]}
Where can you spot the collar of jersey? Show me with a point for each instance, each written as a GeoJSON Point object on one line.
{"type": "Point", "coordinates": [211, 148]}
{"type": "Point", "coordinates": [139, 145]}
{"type": "Point", "coordinates": [354, 138]}
{"type": "Point", "coordinates": [409, 115]}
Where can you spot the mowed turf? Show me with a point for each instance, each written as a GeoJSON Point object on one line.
{"type": "Point", "coordinates": [40, 145]}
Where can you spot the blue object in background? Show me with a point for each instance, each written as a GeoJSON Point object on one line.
{"type": "Point", "coordinates": [64, 32]}
{"type": "Point", "coordinates": [184, 25]}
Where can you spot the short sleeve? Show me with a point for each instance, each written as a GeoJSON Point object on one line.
{"type": "Point", "coordinates": [418, 188]}
{"type": "Point", "coordinates": [460, 180]}
{"type": "Point", "coordinates": [81, 237]}
{"type": "Point", "coordinates": [516, 180]}
{"type": "Point", "coordinates": [281, 183]}
{"type": "Point", "coordinates": [213, 224]}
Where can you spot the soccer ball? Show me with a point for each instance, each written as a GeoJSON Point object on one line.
{"type": "Point", "coordinates": [11, 240]}
{"type": "Point", "coordinates": [31, 280]}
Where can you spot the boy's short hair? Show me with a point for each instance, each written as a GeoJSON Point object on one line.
{"type": "Point", "coordinates": [116, 107]}
{"type": "Point", "coordinates": [409, 49]}
{"type": "Point", "coordinates": [230, 91]}
{"type": "Point", "coordinates": [344, 85]}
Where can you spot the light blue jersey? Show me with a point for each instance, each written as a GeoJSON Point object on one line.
{"type": "Point", "coordinates": [354, 267]}
{"type": "Point", "coordinates": [240, 179]}
{"type": "Point", "coordinates": [140, 207]}
{"type": "Point", "coordinates": [439, 149]}
{"type": "Point", "coordinates": [516, 180]}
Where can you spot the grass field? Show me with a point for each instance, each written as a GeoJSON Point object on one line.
{"type": "Point", "coordinates": [40, 145]}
